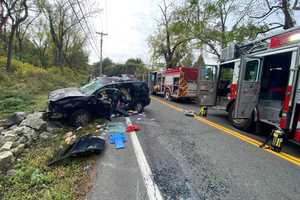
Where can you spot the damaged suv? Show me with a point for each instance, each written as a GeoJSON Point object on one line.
{"type": "Point", "coordinates": [99, 98]}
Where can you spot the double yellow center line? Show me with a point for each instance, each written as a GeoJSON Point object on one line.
{"type": "Point", "coordinates": [233, 133]}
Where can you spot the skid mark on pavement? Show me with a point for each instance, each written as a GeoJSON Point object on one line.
{"type": "Point", "coordinates": [285, 156]}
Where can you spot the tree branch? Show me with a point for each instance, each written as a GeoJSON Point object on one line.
{"type": "Point", "coordinates": [267, 13]}
{"type": "Point", "coordinates": [296, 6]}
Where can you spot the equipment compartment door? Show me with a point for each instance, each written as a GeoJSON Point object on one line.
{"type": "Point", "coordinates": [207, 85]}
{"type": "Point", "coordinates": [248, 87]}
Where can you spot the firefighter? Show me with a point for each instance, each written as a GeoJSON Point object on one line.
{"type": "Point", "coordinates": [203, 111]}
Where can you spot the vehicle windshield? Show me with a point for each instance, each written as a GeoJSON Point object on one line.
{"type": "Point", "coordinates": [90, 88]}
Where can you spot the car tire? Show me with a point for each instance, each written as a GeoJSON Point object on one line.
{"type": "Point", "coordinates": [139, 107]}
{"type": "Point", "coordinates": [80, 118]}
{"type": "Point", "coordinates": [242, 124]}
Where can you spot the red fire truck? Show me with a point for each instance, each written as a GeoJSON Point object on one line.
{"type": "Point", "coordinates": [175, 83]}
{"type": "Point", "coordinates": [258, 82]}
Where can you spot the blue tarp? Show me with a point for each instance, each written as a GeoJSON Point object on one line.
{"type": "Point", "coordinates": [117, 136]}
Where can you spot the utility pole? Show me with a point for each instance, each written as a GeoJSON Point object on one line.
{"type": "Point", "coordinates": [101, 46]}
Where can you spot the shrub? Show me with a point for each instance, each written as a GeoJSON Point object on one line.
{"type": "Point", "coordinates": [20, 90]}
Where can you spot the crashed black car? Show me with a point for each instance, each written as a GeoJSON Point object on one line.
{"type": "Point", "coordinates": [100, 97]}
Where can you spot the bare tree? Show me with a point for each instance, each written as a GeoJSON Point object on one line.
{"type": "Point", "coordinates": [14, 13]}
{"type": "Point", "coordinates": [285, 7]}
{"type": "Point", "coordinates": [62, 21]}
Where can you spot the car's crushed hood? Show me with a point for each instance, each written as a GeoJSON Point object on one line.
{"type": "Point", "coordinates": [64, 93]}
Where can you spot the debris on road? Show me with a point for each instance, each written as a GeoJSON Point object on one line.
{"type": "Point", "coordinates": [189, 113]}
{"type": "Point", "coordinates": [70, 137]}
{"type": "Point", "coordinates": [132, 128]}
{"type": "Point", "coordinates": [83, 146]}
{"type": "Point", "coordinates": [118, 139]}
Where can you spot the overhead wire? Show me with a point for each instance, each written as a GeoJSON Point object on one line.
{"type": "Point", "coordinates": [87, 25]}
{"type": "Point", "coordinates": [77, 17]}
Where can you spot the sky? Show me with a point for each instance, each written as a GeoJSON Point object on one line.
{"type": "Point", "coordinates": [128, 25]}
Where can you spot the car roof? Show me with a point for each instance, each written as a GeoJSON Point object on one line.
{"type": "Point", "coordinates": [116, 80]}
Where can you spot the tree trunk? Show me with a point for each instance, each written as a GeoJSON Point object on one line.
{"type": "Point", "coordinates": [10, 49]}
{"type": "Point", "coordinates": [60, 57]}
{"type": "Point", "coordinates": [288, 20]}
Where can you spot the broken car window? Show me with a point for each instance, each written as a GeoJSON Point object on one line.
{"type": "Point", "coordinates": [90, 88]}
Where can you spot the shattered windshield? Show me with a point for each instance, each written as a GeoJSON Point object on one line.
{"type": "Point", "coordinates": [90, 88]}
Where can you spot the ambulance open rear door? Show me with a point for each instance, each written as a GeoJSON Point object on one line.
{"type": "Point", "coordinates": [248, 87]}
{"type": "Point", "coordinates": [207, 85]}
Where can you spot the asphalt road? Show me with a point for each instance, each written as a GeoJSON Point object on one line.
{"type": "Point", "coordinates": [193, 160]}
{"type": "Point", "coordinates": [221, 117]}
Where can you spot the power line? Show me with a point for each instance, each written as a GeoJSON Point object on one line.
{"type": "Point", "coordinates": [74, 11]}
{"type": "Point", "coordinates": [87, 25]}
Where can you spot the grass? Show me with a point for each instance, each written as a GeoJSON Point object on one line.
{"type": "Point", "coordinates": [26, 89]}
{"type": "Point", "coordinates": [35, 180]}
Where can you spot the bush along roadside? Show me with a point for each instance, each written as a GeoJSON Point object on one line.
{"type": "Point", "coordinates": [25, 151]}
{"type": "Point", "coordinates": [26, 89]}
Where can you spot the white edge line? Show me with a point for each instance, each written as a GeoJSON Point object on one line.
{"type": "Point", "coordinates": [152, 188]}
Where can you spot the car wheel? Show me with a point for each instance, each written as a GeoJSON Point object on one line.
{"type": "Point", "coordinates": [139, 107]}
{"type": "Point", "coordinates": [80, 118]}
{"type": "Point", "coordinates": [242, 124]}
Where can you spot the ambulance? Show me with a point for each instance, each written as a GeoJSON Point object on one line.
{"type": "Point", "coordinates": [257, 82]}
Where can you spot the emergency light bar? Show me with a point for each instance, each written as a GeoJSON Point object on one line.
{"type": "Point", "coordinates": [285, 39]}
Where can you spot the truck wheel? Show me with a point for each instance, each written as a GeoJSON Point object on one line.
{"type": "Point", "coordinates": [80, 118]}
{"type": "Point", "coordinates": [242, 124]}
{"type": "Point", "coordinates": [139, 107]}
{"type": "Point", "coordinates": [168, 95]}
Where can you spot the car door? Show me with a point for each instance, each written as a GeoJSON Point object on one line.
{"type": "Point", "coordinates": [207, 85]}
{"type": "Point", "coordinates": [248, 87]}
{"type": "Point", "coordinates": [105, 101]}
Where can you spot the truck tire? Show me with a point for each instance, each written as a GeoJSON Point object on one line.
{"type": "Point", "coordinates": [242, 124]}
{"type": "Point", "coordinates": [168, 95]}
{"type": "Point", "coordinates": [80, 118]}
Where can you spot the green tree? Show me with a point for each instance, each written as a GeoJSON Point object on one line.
{"type": "Point", "coordinates": [170, 41]}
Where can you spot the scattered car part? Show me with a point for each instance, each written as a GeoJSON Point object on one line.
{"type": "Point", "coordinates": [83, 146]}
{"type": "Point", "coordinates": [132, 128]}
{"type": "Point", "coordinates": [189, 113]}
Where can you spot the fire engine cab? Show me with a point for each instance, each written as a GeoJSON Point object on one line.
{"type": "Point", "coordinates": [258, 82]}
{"type": "Point", "coordinates": [175, 83]}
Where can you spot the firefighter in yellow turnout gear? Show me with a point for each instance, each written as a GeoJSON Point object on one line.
{"type": "Point", "coordinates": [203, 111]}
